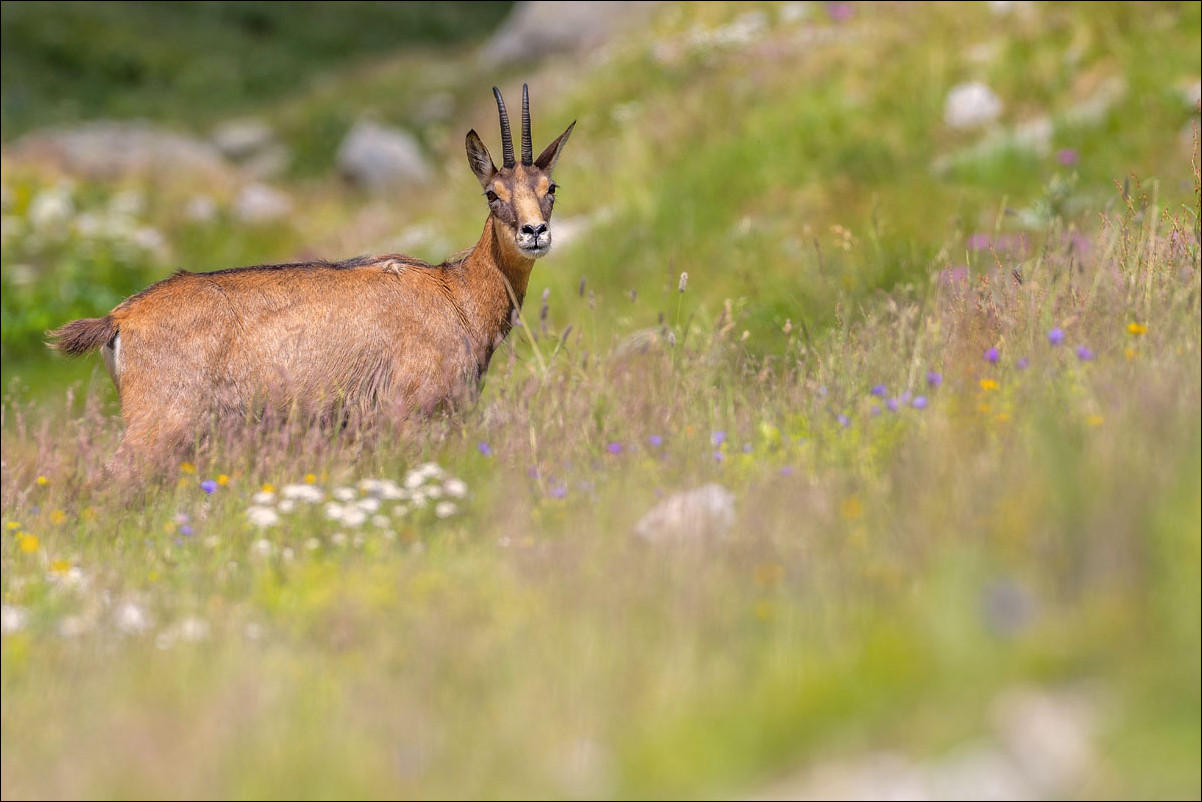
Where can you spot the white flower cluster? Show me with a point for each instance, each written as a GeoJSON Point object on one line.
{"type": "Point", "coordinates": [427, 486]}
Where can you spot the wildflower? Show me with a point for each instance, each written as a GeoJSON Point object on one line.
{"type": "Point", "coordinates": [1067, 156]}
{"type": "Point", "coordinates": [131, 619]}
{"type": "Point", "coordinates": [12, 525]}
{"type": "Point", "coordinates": [1056, 336]}
{"type": "Point", "coordinates": [262, 516]}
{"type": "Point", "coordinates": [380, 521]}
{"type": "Point", "coordinates": [988, 384]}
{"type": "Point", "coordinates": [484, 449]}
{"type": "Point", "coordinates": [614, 448]}
{"type": "Point", "coordinates": [456, 488]}
{"type": "Point", "coordinates": [187, 530]}
{"type": "Point", "coordinates": [222, 479]}
{"type": "Point", "coordinates": [343, 493]}
{"type": "Point", "coordinates": [353, 516]}
{"type": "Point", "coordinates": [1022, 363]}
{"type": "Point", "coordinates": [879, 390]}
{"type": "Point", "coordinates": [307, 493]}
{"type": "Point", "coordinates": [558, 491]}
{"type": "Point", "coordinates": [1129, 353]}
{"type": "Point", "coordinates": [919, 402]}
{"type": "Point", "coordinates": [747, 448]}
{"type": "Point", "coordinates": [12, 619]}
{"type": "Point", "coordinates": [42, 481]}
{"type": "Point", "coordinates": [786, 470]}
{"type": "Point", "coordinates": [875, 410]}
{"type": "Point", "coordinates": [28, 543]}
{"type": "Point", "coordinates": [851, 508]}
{"type": "Point", "coordinates": [310, 479]}
{"type": "Point", "coordinates": [1084, 354]}
{"type": "Point", "coordinates": [445, 509]}
{"type": "Point", "coordinates": [267, 488]}
{"type": "Point", "coordinates": [843, 420]}
{"type": "Point", "coordinates": [840, 12]}
{"type": "Point", "coordinates": [718, 438]}
{"type": "Point", "coordinates": [934, 378]}
{"type": "Point", "coordinates": [187, 467]}
{"type": "Point", "coordinates": [57, 517]}
{"type": "Point", "coordinates": [655, 440]}
{"type": "Point", "coordinates": [372, 504]}
{"type": "Point", "coordinates": [209, 486]}
{"type": "Point", "coordinates": [1095, 420]}
{"type": "Point", "coordinates": [60, 566]}
{"type": "Point", "coordinates": [992, 356]}
{"type": "Point", "coordinates": [1136, 329]}
{"type": "Point", "coordinates": [684, 281]}
{"type": "Point", "coordinates": [892, 404]}
{"type": "Point", "coordinates": [263, 497]}
{"type": "Point", "coordinates": [979, 242]}
{"type": "Point", "coordinates": [262, 548]}
{"type": "Point", "coordinates": [718, 456]}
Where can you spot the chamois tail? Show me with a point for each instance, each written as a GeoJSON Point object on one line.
{"type": "Point", "coordinates": [80, 336]}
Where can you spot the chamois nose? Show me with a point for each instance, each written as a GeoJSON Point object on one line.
{"type": "Point", "coordinates": [535, 231]}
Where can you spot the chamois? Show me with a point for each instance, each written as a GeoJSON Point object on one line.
{"type": "Point", "coordinates": [375, 333]}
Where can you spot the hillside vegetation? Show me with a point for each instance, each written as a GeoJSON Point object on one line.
{"type": "Point", "coordinates": [945, 380]}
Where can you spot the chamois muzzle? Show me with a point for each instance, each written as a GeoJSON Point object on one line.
{"type": "Point", "coordinates": [534, 240]}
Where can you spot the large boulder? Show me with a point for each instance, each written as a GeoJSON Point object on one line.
{"type": "Point", "coordinates": [112, 149]}
{"type": "Point", "coordinates": [378, 158]}
{"type": "Point", "coordinates": [538, 28]}
{"type": "Point", "coordinates": [702, 515]}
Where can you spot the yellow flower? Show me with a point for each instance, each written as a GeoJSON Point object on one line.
{"type": "Point", "coordinates": [222, 479]}
{"type": "Point", "coordinates": [1129, 352]}
{"type": "Point", "coordinates": [57, 517]}
{"type": "Point", "coordinates": [310, 478]}
{"type": "Point", "coordinates": [765, 610]}
{"type": "Point", "coordinates": [183, 481]}
{"type": "Point", "coordinates": [1095, 420]}
{"type": "Point", "coordinates": [43, 481]}
{"type": "Point", "coordinates": [1136, 328]}
{"type": "Point", "coordinates": [1003, 417]}
{"type": "Point", "coordinates": [988, 384]}
{"type": "Point", "coordinates": [851, 508]}
{"type": "Point", "coordinates": [268, 488]}
{"type": "Point", "coordinates": [29, 543]}
{"type": "Point", "coordinates": [11, 525]}
{"type": "Point", "coordinates": [187, 467]}
{"type": "Point", "coordinates": [60, 566]}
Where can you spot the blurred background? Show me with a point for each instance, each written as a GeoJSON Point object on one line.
{"type": "Point", "coordinates": [939, 349]}
{"type": "Point", "coordinates": [751, 146]}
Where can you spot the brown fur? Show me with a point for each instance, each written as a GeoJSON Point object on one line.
{"type": "Point", "coordinates": [80, 336]}
{"type": "Point", "coordinates": [385, 332]}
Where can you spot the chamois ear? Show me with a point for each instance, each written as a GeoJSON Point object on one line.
{"type": "Point", "coordinates": [546, 160]}
{"type": "Point", "coordinates": [479, 160]}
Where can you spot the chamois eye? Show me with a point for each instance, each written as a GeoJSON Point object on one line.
{"type": "Point", "coordinates": [492, 196]}
{"type": "Point", "coordinates": [551, 189]}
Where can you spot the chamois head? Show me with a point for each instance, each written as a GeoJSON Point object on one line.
{"type": "Point", "coordinates": [521, 195]}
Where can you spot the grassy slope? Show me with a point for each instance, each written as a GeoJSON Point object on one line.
{"type": "Point", "coordinates": [527, 646]}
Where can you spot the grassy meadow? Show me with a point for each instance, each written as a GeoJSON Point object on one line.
{"type": "Point", "coordinates": [951, 379]}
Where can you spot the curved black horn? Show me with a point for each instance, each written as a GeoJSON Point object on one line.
{"type": "Point", "coordinates": [527, 146]}
{"type": "Point", "coordinates": [506, 134]}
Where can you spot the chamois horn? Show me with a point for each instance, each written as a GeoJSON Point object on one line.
{"type": "Point", "coordinates": [527, 146]}
{"type": "Point", "coordinates": [506, 134]}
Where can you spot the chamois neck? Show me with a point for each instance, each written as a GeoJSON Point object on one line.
{"type": "Point", "coordinates": [498, 249]}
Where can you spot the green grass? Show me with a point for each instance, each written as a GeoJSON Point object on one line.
{"type": "Point", "coordinates": [893, 581]}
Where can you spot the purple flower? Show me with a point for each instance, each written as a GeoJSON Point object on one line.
{"type": "Point", "coordinates": [844, 421]}
{"type": "Point", "coordinates": [655, 440]}
{"type": "Point", "coordinates": [186, 530]}
{"type": "Point", "coordinates": [934, 378]}
{"type": "Point", "coordinates": [209, 486]}
{"type": "Point", "coordinates": [1067, 156]}
{"type": "Point", "coordinates": [840, 12]}
{"type": "Point", "coordinates": [718, 438]}
{"type": "Point", "coordinates": [747, 448]}
{"type": "Point", "coordinates": [1022, 363]}
{"type": "Point", "coordinates": [875, 409]}
{"type": "Point", "coordinates": [978, 242]}
{"type": "Point", "coordinates": [879, 390]}
{"type": "Point", "coordinates": [1084, 354]}
{"type": "Point", "coordinates": [1056, 336]}
{"type": "Point", "coordinates": [992, 356]}
{"type": "Point", "coordinates": [485, 449]}
{"type": "Point", "coordinates": [558, 491]}
{"type": "Point", "coordinates": [786, 470]}
{"type": "Point", "coordinates": [718, 456]}
{"type": "Point", "coordinates": [892, 404]}
{"type": "Point", "coordinates": [919, 402]}
{"type": "Point", "coordinates": [614, 448]}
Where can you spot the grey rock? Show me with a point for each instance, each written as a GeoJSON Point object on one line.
{"type": "Point", "coordinates": [702, 514]}
{"type": "Point", "coordinates": [109, 149]}
{"type": "Point", "coordinates": [539, 28]}
{"type": "Point", "coordinates": [971, 105]}
{"type": "Point", "coordinates": [242, 138]}
{"type": "Point", "coordinates": [378, 158]}
{"type": "Point", "coordinates": [259, 203]}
